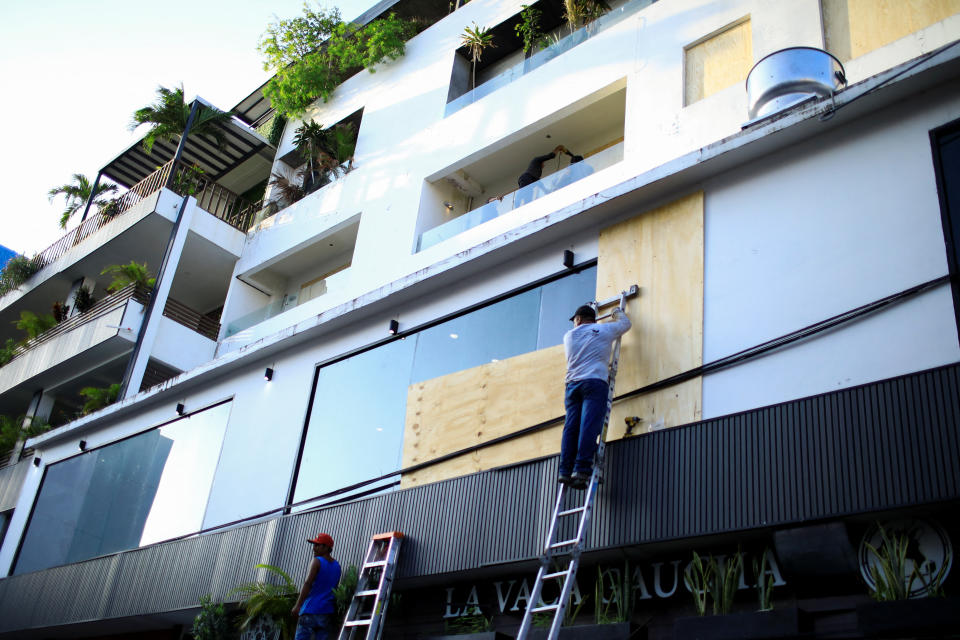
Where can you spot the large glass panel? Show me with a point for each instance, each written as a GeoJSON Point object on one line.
{"type": "Point", "coordinates": [356, 424]}
{"type": "Point", "coordinates": [147, 488]}
{"type": "Point", "coordinates": [359, 410]}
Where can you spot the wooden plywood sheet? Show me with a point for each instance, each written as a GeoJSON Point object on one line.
{"type": "Point", "coordinates": [476, 405]}
{"type": "Point", "coordinates": [718, 62]}
{"type": "Point", "coordinates": [855, 27]}
{"type": "Point", "coordinates": [662, 252]}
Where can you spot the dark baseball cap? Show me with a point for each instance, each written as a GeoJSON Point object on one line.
{"type": "Point", "coordinates": [585, 311]}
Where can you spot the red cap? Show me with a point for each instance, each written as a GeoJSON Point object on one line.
{"type": "Point", "coordinates": [322, 538]}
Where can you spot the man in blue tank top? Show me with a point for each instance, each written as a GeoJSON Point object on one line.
{"type": "Point", "coordinates": [316, 605]}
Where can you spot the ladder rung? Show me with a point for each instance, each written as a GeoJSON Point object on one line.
{"type": "Point", "coordinates": [564, 543]}
{"type": "Point", "coordinates": [364, 594]}
{"type": "Point", "coordinates": [358, 623]}
{"type": "Point", "coordinates": [375, 563]}
{"type": "Point", "coordinates": [546, 607]}
{"type": "Point", "coordinates": [574, 510]}
{"type": "Point", "coordinates": [550, 576]}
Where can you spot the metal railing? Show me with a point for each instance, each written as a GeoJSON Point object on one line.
{"type": "Point", "coordinates": [194, 320]}
{"type": "Point", "coordinates": [102, 307]}
{"type": "Point", "coordinates": [211, 197]}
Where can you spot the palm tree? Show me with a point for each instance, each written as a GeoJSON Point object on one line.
{"type": "Point", "coordinates": [77, 193]}
{"type": "Point", "coordinates": [476, 39]}
{"type": "Point", "coordinates": [169, 115]}
{"type": "Point", "coordinates": [269, 599]}
{"type": "Point", "coordinates": [127, 274]}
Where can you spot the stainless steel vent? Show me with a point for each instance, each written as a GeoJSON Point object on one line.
{"type": "Point", "coordinates": [790, 76]}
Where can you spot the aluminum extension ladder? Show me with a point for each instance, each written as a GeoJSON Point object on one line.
{"type": "Point", "coordinates": [569, 550]}
{"type": "Point", "coordinates": [368, 607]}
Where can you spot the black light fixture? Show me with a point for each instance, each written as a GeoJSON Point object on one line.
{"type": "Point", "coordinates": [83, 445]}
{"type": "Point", "coordinates": [181, 409]}
{"type": "Point", "coordinates": [268, 374]}
{"type": "Point", "coordinates": [36, 462]}
{"type": "Point", "coordinates": [394, 328]}
{"type": "Point", "coordinates": [568, 258]}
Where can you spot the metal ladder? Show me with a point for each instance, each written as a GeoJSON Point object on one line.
{"type": "Point", "coordinates": [368, 608]}
{"type": "Point", "coordinates": [568, 550]}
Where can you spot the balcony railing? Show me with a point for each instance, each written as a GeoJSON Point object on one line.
{"type": "Point", "coordinates": [182, 314]}
{"type": "Point", "coordinates": [211, 197]}
{"type": "Point", "coordinates": [540, 58]}
{"type": "Point", "coordinates": [102, 307]}
{"type": "Point", "coordinates": [507, 203]}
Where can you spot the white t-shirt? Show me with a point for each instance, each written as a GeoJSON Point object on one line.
{"type": "Point", "coordinates": [588, 347]}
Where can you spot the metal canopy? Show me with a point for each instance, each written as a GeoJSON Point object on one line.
{"type": "Point", "coordinates": [241, 144]}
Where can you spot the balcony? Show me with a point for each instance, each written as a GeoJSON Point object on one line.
{"type": "Point", "coordinates": [504, 204]}
{"type": "Point", "coordinates": [101, 336]}
{"type": "Point", "coordinates": [537, 60]}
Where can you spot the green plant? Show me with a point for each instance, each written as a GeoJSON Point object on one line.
{"type": "Point", "coordinates": [288, 191]}
{"type": "Point", "coordinates": [83, 299]}
{"type": "Point", "coordinates": [269, 599]}
{"type": "Point", "coordinates": [17, 271]}
{"type": "Point", "coordinates": [476, 39]}
{"type": "Point", "coordinates": [891, 578]}
{"type": "Point", "coordinates": [77, 193]}
{"type": "Point", "coordinates": [313, 53]}
{"type": "Point", "coordinates": [96, 398]}
{"type": "Point", "coordinates": [477, 623]}
{"type": "Point", "coordinates": [186, 181]}
{"type": "Point", "coordinates": [168, 117]}
{"type": "Point", "coordinates": [619, 605]}
{"type": "Point", "coordinates": [12, 431]}
{"type": "Point", "coordinates": [211, 623]}
{"type": "Point", "coordinates": [580, 12]}
{"type": "Point", "coordinates": [726, 582]}
{"type": "Point", "coordinates": [33, 325]}
{"type": "Point", "coordinates": [764, 581]}
{"type": "Point", "coordinates": [698, 577]}
{"type": "Point", "coordinates": [272, 129]}
{"type": "Point", "coordinates": [127, 274]}
{"type": "Point", "coordinates": [8, 350]}
{"type": "Point", "coordinates": [529, 29]}
{"type": "Point", "coordinates": [60, 311]}
{"type": "Point", "coordinates": [343, 592]}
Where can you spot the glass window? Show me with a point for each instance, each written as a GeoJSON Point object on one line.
{"type": "Point", "coordinates": [359, 409]}
{"type": "Point", "coordinates": [147, 488]}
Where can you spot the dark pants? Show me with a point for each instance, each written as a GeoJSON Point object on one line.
{"type": "Point", "coordinates": [315, 626]}
{"type": "Point", "coordinates": [586, 403]}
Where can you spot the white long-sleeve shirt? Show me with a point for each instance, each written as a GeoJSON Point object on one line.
{"type": "Point", "coordinates": [588, 347]}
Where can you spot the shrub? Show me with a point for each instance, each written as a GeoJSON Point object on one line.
{"type": "Point", "coordinates": [96, 398]}
{"type": "Point", "coordinates": [60, 311]}
{"type": "Point", "coordinates": [17, 271]}
{"type": "Point", "coordinates": [33, 324]}
{"type": "Point", "coordinates": [211, 623]}
{"type": "Point", "coordinates": [83, 299]}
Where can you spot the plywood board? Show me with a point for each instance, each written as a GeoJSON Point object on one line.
{"type": "Point", "coordinates": [718, 62]}
{"type": "Point", "coordinates": [476, 405]}
{"type": "Point", "coordinates": [662, 252]}
{"type": "Point", "coordinates": [855, 27]}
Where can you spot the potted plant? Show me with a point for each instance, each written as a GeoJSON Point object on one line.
{"type": "Point", "coordinates": [908, 595]}
{"type": "Point", "coordinates": [267, 605]}
{"type": "Point", "coordinates": [713, 582]}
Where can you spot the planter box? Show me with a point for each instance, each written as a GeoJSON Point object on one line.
{"type": "Point", "coordinates": [759, 625]}
{"type": "Point", "coordinates": [618, 631]}
{"type": "Point", "coordinates": [909, 616]}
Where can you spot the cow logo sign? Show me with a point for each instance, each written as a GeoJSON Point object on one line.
{"type": "Point", "coordinates": [928, 557]}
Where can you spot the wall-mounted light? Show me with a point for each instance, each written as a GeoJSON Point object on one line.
{"type": "Point", "coordinates": [181, 409]}
{"type": "Point", "coordinates": [36, 462]}
{"type": "Point", "coordinates": [83, 445]}
{"type": "Point", "coordinates": [394, 328]}
{"type": "Point", "coordinates": [268, 374]}
{"type": "Point", "coordinates": [568, 258]}
{"type": "Point", "coordinates": [448, 206]}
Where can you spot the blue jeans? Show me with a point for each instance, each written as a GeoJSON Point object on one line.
{"type": "Point", "coordinates": [313, 625]}
{"type": "Point", "coordinates": [586, 404]}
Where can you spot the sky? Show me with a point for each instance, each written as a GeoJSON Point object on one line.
{"type": "Point", "coordinates": [74, 71]}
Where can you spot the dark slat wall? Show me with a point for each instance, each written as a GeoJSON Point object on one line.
{"type": "Point", "coordinates": [881, 446]}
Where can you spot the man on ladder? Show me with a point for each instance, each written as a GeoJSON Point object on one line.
{"type": "Point", "coordinates": [588, 346]}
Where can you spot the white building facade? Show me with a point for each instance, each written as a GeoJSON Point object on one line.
{"type": "Point", "coordinates": [394, 335]}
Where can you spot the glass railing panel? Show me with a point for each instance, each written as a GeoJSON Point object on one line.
{"type": "Point", "coordinates": [540, 58]}
{"type": "Point", "coordinates": [555, 181]}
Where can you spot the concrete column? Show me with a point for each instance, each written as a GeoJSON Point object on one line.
{"type": "Point", "coordinates": [161, 292]}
